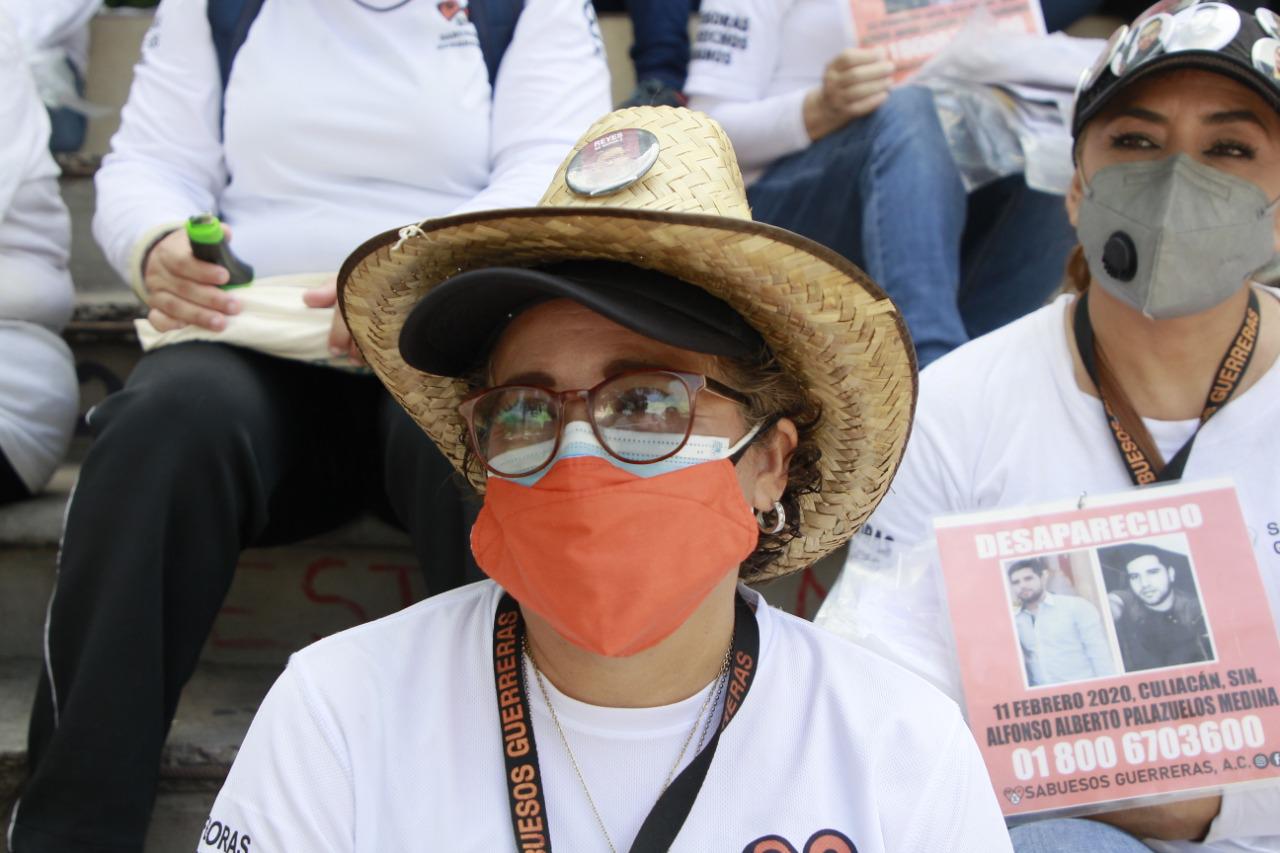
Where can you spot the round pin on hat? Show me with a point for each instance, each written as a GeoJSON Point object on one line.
{"type": "Point", "coordinates": [1266, 57]}
{"type": "Point", "coordinates": [1208, 26]}
{"type": "Point", "coordinates": [1149, 40]}
{"type": "Point", "coordinates": [1114, 44]}
{"type": "Point", "coordinates": [612, 162]}
{"type": "Point", "coordinates": [1267, 20]}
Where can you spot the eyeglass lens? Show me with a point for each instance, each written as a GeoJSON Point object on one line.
{"type": "Point", "coordinates": [638, 417]}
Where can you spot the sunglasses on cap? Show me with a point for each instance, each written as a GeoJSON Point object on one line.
{"type": "Point", "coordinates": [638, 416]}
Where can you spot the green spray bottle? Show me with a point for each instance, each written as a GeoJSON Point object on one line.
{"type": "Point", "coordinates": [209, 243]}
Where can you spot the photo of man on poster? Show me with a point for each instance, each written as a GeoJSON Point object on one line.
{"type": "Point", "coordinates": [1155, 607]}
{"type": "Point", "coordinates": [1061, 634]}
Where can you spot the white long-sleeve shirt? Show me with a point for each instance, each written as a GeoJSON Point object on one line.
{"type": "Point", "coordinates": [54, 25]}
{"type": "Point", "coordinates": [35, 229]}
{"type": "Point", "coordinates": [342, 120]}
{"type": "Point", "coordinates": [754, 61]}
{"type": "Point", "coordinates": [38, 396]}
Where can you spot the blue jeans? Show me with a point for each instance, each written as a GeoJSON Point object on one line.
{"type": "Point", "coordinates": [660, 43]}
{"type": "Point", "coordinates": [1073, 835]}
{"type": "Point", "coordinates": [67, 126]}
{"type": "Point", "coordinates": [1013, 254]}
{"type": "Point", "coordinates": [884, 192]}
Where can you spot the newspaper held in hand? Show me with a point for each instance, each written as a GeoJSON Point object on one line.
{"type": "Point", "coordinates": [1114, 650]}
{"type": "Point", "coordinates": [912, 31]}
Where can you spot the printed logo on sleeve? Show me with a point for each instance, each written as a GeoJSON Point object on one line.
{"type": "Point", "coordinates": [452, 9]}
{"type": "Point", "coordinates": [721, 37]}
{"type": "Point", "coordinates": [151, 38]}
{"type": "Point", "coordinates": [220, 835]}
{"type": "Point", "coordinates": [593, 26]}
{"type": "Point", "coordinates": [459, 31]}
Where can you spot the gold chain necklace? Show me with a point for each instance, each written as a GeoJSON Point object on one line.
{"type": "Point", "coordinates": [717, 692]}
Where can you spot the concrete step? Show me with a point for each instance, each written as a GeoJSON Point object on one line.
{"type": "Point", "coordinates": [176, 823]}
{"type": "Point", "coordinates": [212, 718]}
{"type": "Point", "coordinates": [215, 712]}
{"type": "Point", "coordinates": [93, 277]}
{"type": "Point", "coordinates": [281, 599]}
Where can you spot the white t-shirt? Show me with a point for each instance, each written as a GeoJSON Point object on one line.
{"type": "Point", "coordinates": [386, 737]}
{"type": "Point", "coordinates": [752, 63]}
{"type": "Point", "coordinates": [343, 119]}
{"type": "Point", "coordinates": [38, 389]}
{"type": "Point", "coordinates": [1001, 422]}
{"type": "Point", "coordinates": [54, 25]}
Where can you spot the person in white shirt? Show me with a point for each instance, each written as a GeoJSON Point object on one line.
{"type": "Point", "coordinates": [833, 151]}
{"type": "Point", "coordinates": [55, 38]}
{"type": "Point", "coordinates": [338, 118]}
{"type": "Point", "coordinates": [38, 388]}
{"type": "Point", "coordinates": [628, 403]}
{"type": "Point", "coordinates": [1161, 284]}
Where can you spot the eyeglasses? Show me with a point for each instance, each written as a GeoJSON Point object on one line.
{"type": "Point", "coordinates": [640, 416]}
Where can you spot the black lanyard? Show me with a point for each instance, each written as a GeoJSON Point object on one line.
{"type": "Point", "coordinates": [1230, 371]}
{"type": "Point", "coordinates": [520, 752]}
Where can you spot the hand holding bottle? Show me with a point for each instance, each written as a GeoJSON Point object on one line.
{"type": "Point", "coordinates": [183, 290]}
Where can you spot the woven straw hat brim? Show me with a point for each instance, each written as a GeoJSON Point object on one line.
{"type": "Point", "coordinates": [825, 320]}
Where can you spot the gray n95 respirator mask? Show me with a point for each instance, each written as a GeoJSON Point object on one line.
{"type": "Point", "coordinates": [1174, 237]}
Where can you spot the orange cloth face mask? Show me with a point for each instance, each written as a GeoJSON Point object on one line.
{"type": "Point", "coordinates": [613, 561]}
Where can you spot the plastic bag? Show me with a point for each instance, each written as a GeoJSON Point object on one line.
{"type": "Point", "coordinates": [273, 319]}
{"type": "Point", "coordinates": [889, 600]}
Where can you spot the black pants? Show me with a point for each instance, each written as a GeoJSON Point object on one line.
{"type": "Point", "coordinates": [208, 450]}
{"type": "Point", "coordinates": [11, 486]}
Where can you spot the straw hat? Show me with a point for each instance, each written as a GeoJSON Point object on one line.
{"type": "Point", "coordinates": [687, 216]}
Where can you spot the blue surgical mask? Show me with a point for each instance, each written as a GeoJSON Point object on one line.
{"type": "Point", "coordinates": [578, 440]}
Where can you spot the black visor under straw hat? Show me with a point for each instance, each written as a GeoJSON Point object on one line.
{"type": "Point", "coordinates": [451, 330]}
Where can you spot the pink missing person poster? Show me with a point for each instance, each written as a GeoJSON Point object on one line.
{"type": "Point", "coordinates": [912, 31]}
{"type": "Point", "coordinates": [1117, 649]}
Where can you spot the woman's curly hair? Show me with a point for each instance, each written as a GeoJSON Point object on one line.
{"type": "Point", "coordinates": [772, 394]}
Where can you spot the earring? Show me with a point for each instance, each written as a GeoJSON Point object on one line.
{"type": "Point", "coordinates": [777, 525]}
